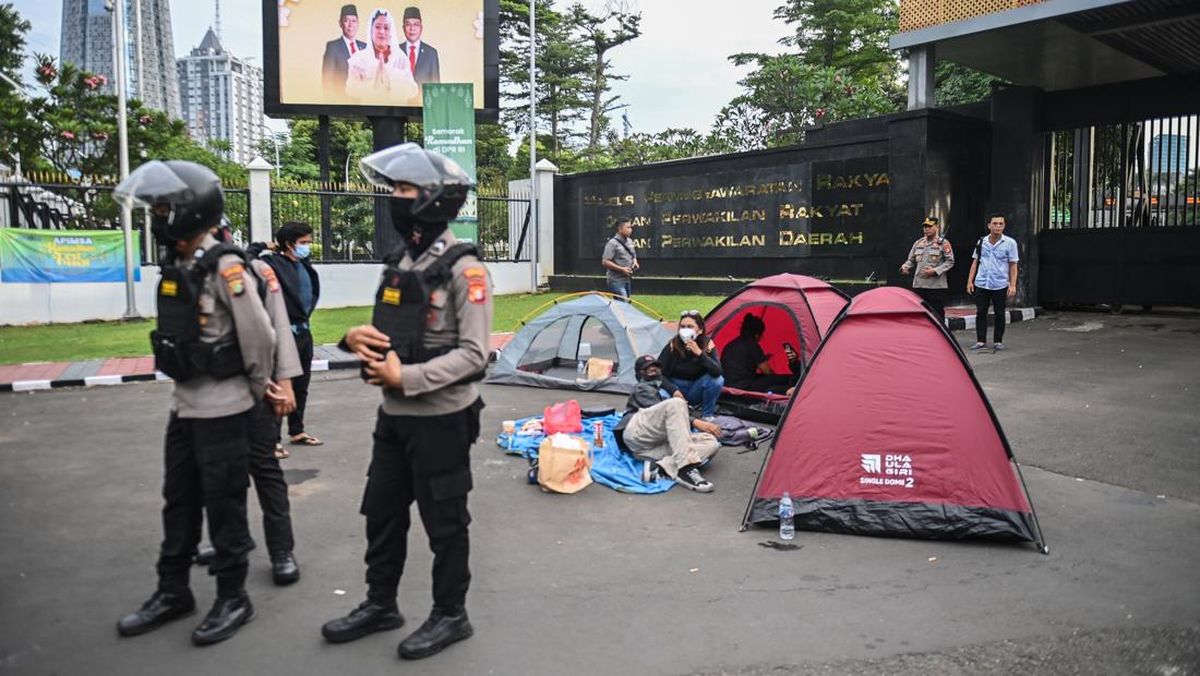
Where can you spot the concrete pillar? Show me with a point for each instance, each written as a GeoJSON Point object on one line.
{"type": "Point", "coordinates": [260, 199]}
{"type": "Point", "coordinates": [921, 81]}
{"type": "Point", "coordinates": [546, 171]}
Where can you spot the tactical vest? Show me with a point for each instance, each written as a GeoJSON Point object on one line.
{"type": "Point", "coordinates": [178, 350]}
{"type": "Point", "coordinates": [402, 304]}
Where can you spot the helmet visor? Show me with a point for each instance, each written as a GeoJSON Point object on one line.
{"type": "Point", "coordinates": [150, 184]}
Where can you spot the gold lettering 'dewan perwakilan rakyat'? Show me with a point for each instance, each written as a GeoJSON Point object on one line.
{"type": "Point", "coordinates": [789, 212]}
{"type": "Point", "coordinates": [699, 217]}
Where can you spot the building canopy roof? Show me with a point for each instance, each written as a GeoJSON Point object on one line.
{"type": "Point", "coordinates": [1059, 44]}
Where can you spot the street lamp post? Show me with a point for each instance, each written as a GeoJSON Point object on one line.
{"type": "Point", "coordinates": [123, 154]}
{"type": "Point", "coordinates": [533, 196]}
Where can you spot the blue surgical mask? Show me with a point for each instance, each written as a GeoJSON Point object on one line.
{"type": "Point", "coordinates": [303, 250]}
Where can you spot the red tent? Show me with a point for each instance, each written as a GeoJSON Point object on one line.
{"type": "Point", "coordinates": [889, 433]}
{"type": "Point", "coordinates": [796, 309]}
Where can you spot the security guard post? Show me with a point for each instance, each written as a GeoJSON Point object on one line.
{"type": "Point", "coordinates": [426, 346]}
{"type": "Point", "coordinates": [215, 340]}
{"type": "Point", "coordinates": [931, 256]}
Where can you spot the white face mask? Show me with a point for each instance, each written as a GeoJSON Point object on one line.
{"type": "Point", "coordinates": [686, 334]}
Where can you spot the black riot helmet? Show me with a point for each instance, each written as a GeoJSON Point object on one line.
{"type": "Point", "coordinates": [443, 185]}
{"type": "Point", "coordinates": [184, 198]}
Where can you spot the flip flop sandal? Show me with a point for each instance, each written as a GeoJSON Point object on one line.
{"type": "Point", "coordinates": [306, 439]}
{"type": "Point", "coordinates": [281, 452]}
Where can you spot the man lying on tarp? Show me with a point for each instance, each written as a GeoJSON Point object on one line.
{"type": "Point", "coordinates": [657, 428]}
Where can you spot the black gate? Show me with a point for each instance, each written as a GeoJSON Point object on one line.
{"type": "Point", "coordinates": [1123, 220]}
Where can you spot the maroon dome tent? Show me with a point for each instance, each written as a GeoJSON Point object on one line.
{"type": "Point", "coordinates": [797, 310]}
{"type": "Point", "coordinates": [889, 433]}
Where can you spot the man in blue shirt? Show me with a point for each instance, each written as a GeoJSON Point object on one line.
{"type": "Point", "coordinates": [301, 291]}
{"type": "Point", "coordinates": [992, 280]}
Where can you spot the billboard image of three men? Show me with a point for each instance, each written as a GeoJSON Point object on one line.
{"type": "Point", "coordinates": [379, 55]}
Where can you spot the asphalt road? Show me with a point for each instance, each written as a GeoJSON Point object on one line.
{"type": "Point", "coordinates": [606, 583]}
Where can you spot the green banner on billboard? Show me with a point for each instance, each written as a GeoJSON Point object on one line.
{"type": "Point", "coordinates": [450, 130]}
{"type": "Point", "coordinates": [46, 256]}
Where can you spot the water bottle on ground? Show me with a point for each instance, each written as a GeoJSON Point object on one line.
{"type": "Point", "coordinates": [787, 525]}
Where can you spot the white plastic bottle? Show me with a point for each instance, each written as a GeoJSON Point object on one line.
{"type": "Point", "coordinates": [581, 370]}
{"type": "Point", "coordinates": [787, 513]}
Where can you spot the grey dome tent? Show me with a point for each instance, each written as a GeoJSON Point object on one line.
{"type": "Point", "coordinates": [546, 350]}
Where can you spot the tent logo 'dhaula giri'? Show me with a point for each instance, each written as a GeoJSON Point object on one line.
{"type": "Point", "coordinates": [896, 467]}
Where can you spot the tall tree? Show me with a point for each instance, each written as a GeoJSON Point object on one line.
{"type": "Point", "coordinates": [841, 69]}
{"type": "Point", "coordinates": [614, 26]}
{"type": "Point", "coordinates": [19, 140]}
{"type": "Point", "coordinates": [956, 84]}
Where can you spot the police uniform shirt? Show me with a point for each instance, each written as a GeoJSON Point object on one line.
{"type": "Point", "coordinates": [460, 315]}
{"type": "Point", "coordinates": [287, 359]}
{"type": "Point", "coordinates": [937, 254]}
{"type": "Point", "coordinates": [229, 302]}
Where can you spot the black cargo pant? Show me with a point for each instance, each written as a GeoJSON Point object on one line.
{"type": "Point", "coordinates": [997, 299]}
{"type": "Point", "coordinates": [269, 483]}
{"type": "Point", "coordinates": [427, 459]}
{"type": "Point", "coordinates": [935, 299]}
{"type": "Point", "coordinates": [304, 347]}
{"type": "Point", "coordinates": [206, 469]}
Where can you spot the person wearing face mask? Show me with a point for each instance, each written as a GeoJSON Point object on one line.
{"type": "Point", "coordinates": [657, 428]}
{"type": "Point", "coordinates": [301, 290]}
{"type": "Point", "coordinates": [215, 339]}
{"type": "Point", "coordinates": [425, 348]}
{"type": "Point", "coordinates": [691, 362]}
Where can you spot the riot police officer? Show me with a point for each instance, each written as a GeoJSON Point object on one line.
{"type": "Point", "coordinates": [426, 347]}
{"type": "Point", "coordinates": [215, 340]}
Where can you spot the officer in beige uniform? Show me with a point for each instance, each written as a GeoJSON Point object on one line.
{"type": "Point", "coordinates": [426, 347]}
{"type": "Point", "coordinates": [214, 338]}
{"type": "Point", "coordinates": [932, 257]}
{"type": "Point", "coordinates": [269, 482]}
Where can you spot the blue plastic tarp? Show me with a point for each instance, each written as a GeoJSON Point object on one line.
{"type": "Point", "coordinates": [611, 466]}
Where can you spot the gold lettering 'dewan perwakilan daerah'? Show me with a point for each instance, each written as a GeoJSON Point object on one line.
{"type": "Point", "coordinates": [789, 238]}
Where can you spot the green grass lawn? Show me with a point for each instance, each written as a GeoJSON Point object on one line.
{"type": "Point", "coordinates": [98, 340]}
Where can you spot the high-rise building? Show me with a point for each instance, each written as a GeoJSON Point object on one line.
{"type": "Point", "coordinates": [1169, 154]}
{"type": "Point", "coordinates": [87, 41]}
{"type": "Point", "coordinates": [222, 98]}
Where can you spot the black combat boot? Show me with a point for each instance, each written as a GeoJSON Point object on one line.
{"type": "Point", "coordinates": [439, 631]}
{"type": "Point", "coordinates": [162, 607]}
{"type": "Point", "coordinates": [367, 618]}
{"type": "Point", "coordinates": [284, 568]}
{"type": "Point", "coordinates": [225, 618]}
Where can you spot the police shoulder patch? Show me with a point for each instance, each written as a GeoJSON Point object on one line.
{"type": "Point", "coordinates": [476, 284]}
{"type": "Point", "coordinates": [946, 247]}
{"type": "Point", "coordinates": [234, 282]}
{"type": "Point", "coordinates": [272, 281]}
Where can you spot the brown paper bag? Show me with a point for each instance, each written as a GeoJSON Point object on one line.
{"type": "Point", "coordinates": [599, 369]}
{"type": "Point", "coordinates": [564, 464]}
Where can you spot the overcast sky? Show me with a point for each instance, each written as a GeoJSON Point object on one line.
{"type": "Point", "coordinates": [678, 72]}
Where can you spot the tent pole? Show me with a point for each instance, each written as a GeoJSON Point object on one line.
{"type": "Point", "coordinates": [1041, 542]}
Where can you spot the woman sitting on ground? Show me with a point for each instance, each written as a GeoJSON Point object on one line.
{"type": "Point", "coordinates": [747, 367]}
{"type": "Point", "coordinates": [691, 362]}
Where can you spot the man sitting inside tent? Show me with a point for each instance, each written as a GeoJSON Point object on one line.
{"type": "Point", "coordinates": [657, 427]}
{"type": "Point", "coordinates": [747, 367]}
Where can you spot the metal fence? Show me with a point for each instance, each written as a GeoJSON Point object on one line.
{"type": "Point", "coordinates": [1141, 174]}
{"type": "Point", "coordinates": [343, 219]}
